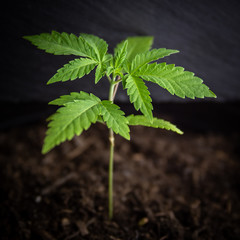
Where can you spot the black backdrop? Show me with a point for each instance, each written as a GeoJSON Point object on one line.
{"type": "Point", "coordinates": [205, 32]}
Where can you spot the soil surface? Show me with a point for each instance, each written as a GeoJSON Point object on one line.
{"type": "Point", "coordinates": [166, 186]}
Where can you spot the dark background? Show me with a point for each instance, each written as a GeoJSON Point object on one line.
{"type": "Point", "coordinates": [205, 32]}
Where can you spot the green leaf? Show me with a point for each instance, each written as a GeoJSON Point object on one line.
{"type": "Point", "coordinates": [120, 53]}
{"type": "Point", "coordinates": [137, 45]}
{"type": "Point", "coordinates": [70, 120]}
{"type": "Point", "coordinates": [124, 78]}
{"type": "Point", "coordinates": [156, 123]}
{"type": "Point", "coordinates": [100, 71]}
{"type": "Point", "coordinates": [115, 118]}
{"type": "Point", "coordinates": [139, 95]}
{"type": "Point", "coordinates": [74, 69]}
{"type": "Point", "coordinates": [153, 55]}
{"type": "Point", "coordinates": [72, 97]}
{"type": "Point", "coordinates": [109, 71]}
{"type": "Point", "coordinates": [62, 44]}
{"type": "Point", "coordinates": [175, 80]}
{"type": "Point", "coordinates": [108, 59]}
{"type": "Point", "coordinates": [99, 45]}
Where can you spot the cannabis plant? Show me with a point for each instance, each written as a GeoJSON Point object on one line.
{"type": "Point", "coordinates": [132, 64]}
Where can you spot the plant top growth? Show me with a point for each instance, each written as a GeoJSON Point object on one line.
{"type": "Point", "coordinates": [132, 65]}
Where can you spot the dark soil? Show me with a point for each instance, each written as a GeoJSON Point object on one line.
{"type": "Point", "coordinates": [165, 186]}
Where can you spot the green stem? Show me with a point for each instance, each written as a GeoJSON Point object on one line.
{"type": "Point", "coordinates": [111, 91]}
{"type": "Point", "coordinates": [110, 175]}
{"type": "Point", "coordinates": [110, 171]}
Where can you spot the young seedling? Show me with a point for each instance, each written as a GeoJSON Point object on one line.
{"type": "Point", "coordinates": [132, 64]}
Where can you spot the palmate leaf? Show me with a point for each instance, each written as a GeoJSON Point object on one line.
{"type": "Point", "coordinates": [79, 111]}
{"type": "Point", "coordinates": [62, 44]}
{"type": "Point", "coordinates": [70, 120]}
{"type": "Point", "coordinates": [85, 45]}
{"type": "Point", "coordinates": [74, 69]}
{"type": "Point", "coordinates": [136, 120]}
{"type": "Point", "coordinates": [115, 118]}
{"type": "Point", "coordinates": [139, 95]}
{"type": "Point", "coordinates": [175, 80]}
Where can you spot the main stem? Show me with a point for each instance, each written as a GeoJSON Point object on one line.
{"type": "Point", "coordinates": [110, 175]}
{"type": "Point", "coordinates": [110, 170]}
